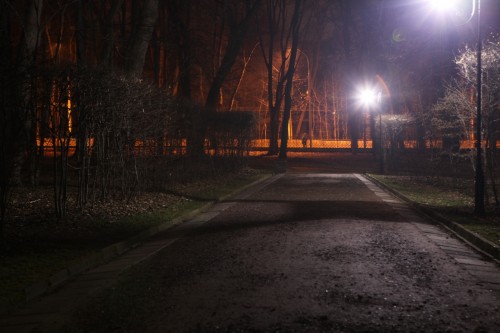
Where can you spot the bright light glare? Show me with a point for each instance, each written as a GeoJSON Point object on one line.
{"type": "Point", "coordinates": [444, 6]}
{"type": "Point", "coordinates": [367, 97]}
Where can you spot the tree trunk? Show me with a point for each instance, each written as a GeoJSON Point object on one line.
{"type": "Point", "coordinates": [276, 13]}
{"type": "Point", "coordinates": [347, 26]}
{"type": "Point", "coordinates": [28, 53]}
{"type": "Point", "coordinates": [5, 115]}
{"type": "Point", "coordinates": [106, 58]}
{"type": "Point", "coordinates": [183, 46]}
{"type": "Point", "coordinates": [140, 39]}
{"type": "Point", "coordinates": [295, 27]}
{"type": "Point", "coordinates": [80, 35]}
{"type": "Point", "coordinates": [353, 123]}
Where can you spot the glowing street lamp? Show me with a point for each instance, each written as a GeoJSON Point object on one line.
{"type": "Point", "coordinates": [479, 174]}
{"type": "Point", "coordinates": [368, 97]}
{"type": "Point", "coordinates": [444, 6]}
{"type": "Point", "coordinates": [371, 99]}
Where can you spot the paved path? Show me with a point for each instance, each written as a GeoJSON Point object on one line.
{"type": "Point", "coordinates": [299, 252]}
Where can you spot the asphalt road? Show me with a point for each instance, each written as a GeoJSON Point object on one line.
{"type": "Point", "coordinates": [305, 253]}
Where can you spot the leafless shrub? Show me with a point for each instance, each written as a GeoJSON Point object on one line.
{"type": "Point", "coordinates": [118, 120]}
{"type": "Point", "coordinates": [115, 134]}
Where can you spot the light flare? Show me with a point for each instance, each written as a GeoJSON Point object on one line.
{"type": "Point", "coordinates": [368, 97]}
{"type": "Point", "coordinates": [444, 6]}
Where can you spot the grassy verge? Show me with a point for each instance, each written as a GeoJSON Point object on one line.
{"type": "Point", "coordinates": [453, 199]}
{"type": "Point", "coordinates": [43, 250]}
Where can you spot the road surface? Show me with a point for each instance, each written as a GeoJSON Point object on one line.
{"type": "Point", "coordinates": [305, 253]}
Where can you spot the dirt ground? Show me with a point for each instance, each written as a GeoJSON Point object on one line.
{"type": "Point", "coordinates": [308, 253]}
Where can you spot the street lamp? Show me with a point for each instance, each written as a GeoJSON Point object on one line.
{"type": "Point", "coordinates": [479, 181]}
{"type": "Point", "coordinates": [370, 98]}
{"type": "Point", "coordinates": [444, 6]}
{"type": "Point", "coordinates": [479, 184]}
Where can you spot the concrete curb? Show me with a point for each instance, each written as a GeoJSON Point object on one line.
{"type": "Point", "coordinates": [490, 249]}
{"type": "Point", "coordinates": [42, 287]}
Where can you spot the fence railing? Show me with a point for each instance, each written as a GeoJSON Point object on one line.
{"type": "Point", "coordinates": [178, 147]}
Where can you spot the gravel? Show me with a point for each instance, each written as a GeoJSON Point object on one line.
{"type": "Point", "coordinates": [309, 253]}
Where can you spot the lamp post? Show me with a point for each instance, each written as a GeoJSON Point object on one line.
{"type": "Point", "coordinates": [382, 150]}
{"type": "Point", "coordinates": [372, 99]}
{"type": "Point", "coordinates": [479, 183]}
{"type": "Point", "coordinates": [479, 176]}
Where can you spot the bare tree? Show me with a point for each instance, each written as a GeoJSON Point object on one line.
{"type": "Point", "coordinates": [453, 115]}
{"type": "Point", "coordinates": [281, 37]}
{"type": "Point", "coordinates": [295, 34]}
{"type": "Point", "coordinates": [179, 15]}
{"type": "Point", "coordinates": [236, 38]}
{"type": "Point", "coordinates": [238, 28]}
{"type": "Point", "coordinates": [275, 10]}
{"type": "Point", "coordinates": [490, 101]}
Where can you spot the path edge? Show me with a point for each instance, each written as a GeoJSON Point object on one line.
{"type": "Point", "coordinates": [45, 286]}
{"type": "Point", "coordinates": [483, 245]}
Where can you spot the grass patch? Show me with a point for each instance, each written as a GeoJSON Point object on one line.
{"type": "Point", "coordinates": [38, 250]}
{"type": "Point", "coordinates": [488, 230]}
{"type": "Point", "coordinates": [451, 198]}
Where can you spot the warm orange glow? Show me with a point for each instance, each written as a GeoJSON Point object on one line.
{"type": "Point", "coordinates": [321, 144]}
{"type": "Point", "coordinates": [70, 121]}
{"type": "Point", "coordinates": [148, 147]}
{"type": "Point", "coordinates": [48, 147]}
{"type": "Point", "coordinates": [346, 144]}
